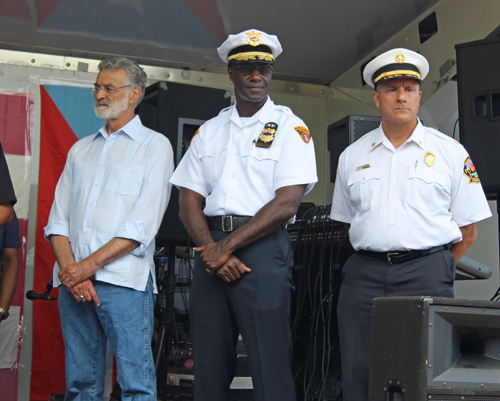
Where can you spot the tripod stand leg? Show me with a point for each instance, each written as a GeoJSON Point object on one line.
{"type": "Point", "coordinates": [159, 347]}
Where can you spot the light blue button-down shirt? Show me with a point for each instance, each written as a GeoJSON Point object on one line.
{"type": "Point", "coordinates": [114, 186]}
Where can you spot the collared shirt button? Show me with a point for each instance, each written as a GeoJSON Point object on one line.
{"type": "Point", "coordinates": [395, 178]}
{"type": "Point", "coordinates": [90, 204]}
{"type": "Point", "coordinates": [86, 226]}
{"type": "Point", "coordinates": [214, 153]}
{"type": "Point", "coordinates": [393, 248]}
{"type": "Point", "coordinates": [237, 154]}
{"type": "Point", "coordinates": [100, 164]}
{"type": "Point", "coordinates": [393, 201]}
{"type": "Point", "coordinates": [83, 247]}
{"type": "Point", "coordinates": [96, 184]}
{"type": "Point", "coordinates": [230, 197]}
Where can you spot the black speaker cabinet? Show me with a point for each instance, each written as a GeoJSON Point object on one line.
{"type": "Point", "coordinates": [431, 348]}
{"type": "Point", "coordinates": [479, 107]}
{"type": "Point", "coordinates": [346, 131]}
{"type": "Point", "coordinates": [177, 111]}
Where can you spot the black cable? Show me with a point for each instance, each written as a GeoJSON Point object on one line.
{"type": "Point", "coordinates": [317, 288]}
{"type": "Point", "coordinates": [454, 127]}
{"type": "Point", "coordinates": [496, 297]}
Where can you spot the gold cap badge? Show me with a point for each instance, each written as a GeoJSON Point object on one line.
{"type": "Point", "coordinates": [400, 58]}
{"type": "Point", "coordinates": [253, 38]}
{"type": "Point", "coordinates": [430, 158]}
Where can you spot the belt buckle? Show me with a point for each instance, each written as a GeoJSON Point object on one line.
{"type": "Point", "coordinates": [224, 224]}
{"type": "Point", "coordinates": [389, 254]}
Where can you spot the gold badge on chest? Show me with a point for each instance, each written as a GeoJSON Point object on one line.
{"type": "Point", "coordinates": [430, 158]}
{"type": "Point", "coordinates": [266, 138]}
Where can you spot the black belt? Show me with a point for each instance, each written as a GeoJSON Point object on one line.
{"type": "Point", "coordinates": [227, 223]}
{"type": "Point", "coordinates": [403, 256]}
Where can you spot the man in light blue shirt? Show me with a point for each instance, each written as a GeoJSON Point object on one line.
{"type": "Point", "coordinates": [108, 206]}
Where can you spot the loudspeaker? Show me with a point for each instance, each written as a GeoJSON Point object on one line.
{"type": "Point", "coordinates": [177, 111]}
{"type": "Point", "coordinates": [431, 348]}
{"type": "Point", "coordinates": [346, 131]}
{"type": "Point", "coordinates": [479, 107]}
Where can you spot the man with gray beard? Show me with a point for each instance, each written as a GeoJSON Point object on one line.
{"type": "Point", "coordinates": [108, 206]}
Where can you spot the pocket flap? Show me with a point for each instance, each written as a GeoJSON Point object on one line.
{"type": "Point", "coordinates": [272, 153]}
{"type": "Point", "coordinates": [428, 175]}
{"type": "Point", "coordinates": [367, 174]}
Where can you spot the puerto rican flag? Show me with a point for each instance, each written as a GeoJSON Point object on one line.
{"type": "Point", "coordinates": [16, 133]}
{"type": "Point", "coordinates": [67, 115]}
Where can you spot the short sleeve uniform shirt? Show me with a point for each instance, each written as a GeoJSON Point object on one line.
{"type": "Point", "coordinates": [413, 197]}
{"type": "Point", "coordinates": [237, 177]}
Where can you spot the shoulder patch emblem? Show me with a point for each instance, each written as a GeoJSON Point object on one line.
{"type": "Point", "coordinates": [304, 133]}
{"type": "Point", "coordinates": [470, 171]}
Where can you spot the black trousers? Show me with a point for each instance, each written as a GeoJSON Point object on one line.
{"type": "Point", "coordinates": [365, 278]}
{"type": "Point", "coordinates": [258, 306]}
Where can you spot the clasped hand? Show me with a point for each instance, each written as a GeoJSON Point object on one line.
{"type": "Point", "coordinates": [74, 274]}
{"type": "Point", "coordinates": [218, 261]}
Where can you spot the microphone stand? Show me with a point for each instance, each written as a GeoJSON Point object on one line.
{"type": "Point", "coordinates": [32, 295]}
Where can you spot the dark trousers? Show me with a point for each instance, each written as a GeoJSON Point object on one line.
{"type": "Point", "coordinates": [258, 306]}
{"type": "Point", "coordinates": [365, 278]}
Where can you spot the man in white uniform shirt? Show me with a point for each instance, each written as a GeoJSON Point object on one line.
{"type": "Point", "coordinates": [250, 167]}
{"type": "Point", "coordinates": [108, 206]}
{"type": "Point", "coordinates": [410, 198]}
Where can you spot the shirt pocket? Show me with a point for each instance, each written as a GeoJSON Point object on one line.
{"type": "Point", "coordinates": [364, 188]}
{"type": "Point", "coordinates": [261, 163]}
{"type": "Point", "coordinates": [212, 157]}
{"type": "Point", "coordinates": [125, 179]}
{"type": "Point", "coordinates": [79, 177]}
{"type": "Point", "coordinates": [427, 189]}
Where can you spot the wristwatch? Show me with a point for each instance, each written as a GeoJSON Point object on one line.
{"type": "Point", "coordinates": [4, 313]}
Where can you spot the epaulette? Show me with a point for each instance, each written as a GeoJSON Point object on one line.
{"type": "Point", "coordinates": [285, 109]}
{"type": "Point", "coordinates": [224, 110]}
{"type": "Point", "coordinates": [442, 136]}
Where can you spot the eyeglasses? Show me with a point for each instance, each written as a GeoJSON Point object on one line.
{"type": "Point", "coordinates": [108, 90]}
{"type": "Point", "coordinates": [247, 69]}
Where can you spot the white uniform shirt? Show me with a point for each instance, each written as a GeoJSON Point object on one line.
{"type": "Point", "coordinates": [236, 177]}
{"type": "Point", "coordinates": [396, 199]}
{"type": "Point", "coordinates": [114, 186]}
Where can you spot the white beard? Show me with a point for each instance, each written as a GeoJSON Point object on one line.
{"type": "Point", "coordinates": [113, 110]}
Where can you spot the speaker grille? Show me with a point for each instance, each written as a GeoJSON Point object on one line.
{"type": "Point", "coordinates": [462, 398]}
{"type": "Point", "coordinates": [362, 127]}
{"type": "Point", "coordinates": [346, 131]}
